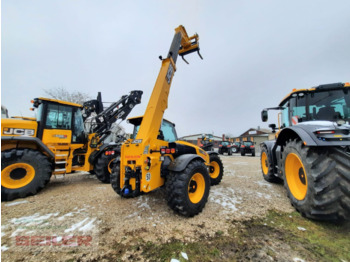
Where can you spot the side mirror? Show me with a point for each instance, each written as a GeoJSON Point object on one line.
{"type": "Point", "coordinates": [273, 127]}
{"type": "Point", "coordinates": [264, 115]}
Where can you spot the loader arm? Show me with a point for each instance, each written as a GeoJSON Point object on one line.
{"type": "Point", "coordinates": [181, 45]}
{"type": "Point", "coordinates": [117, 110]}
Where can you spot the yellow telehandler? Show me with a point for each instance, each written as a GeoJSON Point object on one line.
{"type": "Point", "coordinates": [154, 157]}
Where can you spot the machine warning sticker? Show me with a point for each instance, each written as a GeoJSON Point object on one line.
{"type": "Point", "coordinates": [148, 177]}
{"type": "Point", "coordinates": [169, 74]}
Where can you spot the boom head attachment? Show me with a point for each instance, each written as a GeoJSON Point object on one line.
{"type": "Point", "coordinates": [183, 44]}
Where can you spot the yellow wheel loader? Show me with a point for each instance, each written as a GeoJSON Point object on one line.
{"type": "Point", "coordinates": [55, 142]}
{"type": "Point", "coordinates": [311, 152]}
{"type": "Point", "coordinates": [155, 158]}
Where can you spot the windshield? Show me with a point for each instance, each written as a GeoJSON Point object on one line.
{"type": "Point", "coordinates": [167, 131]}
{"type": "Point", "coordinates": [330, 105]}
{"type": "Point", "coordinates": [225, 143]}
{"type": "Point", "coordinates": [247, 143]}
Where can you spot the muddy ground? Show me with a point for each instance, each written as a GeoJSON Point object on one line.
{"type": "Point", "coordinates": [77, 218]}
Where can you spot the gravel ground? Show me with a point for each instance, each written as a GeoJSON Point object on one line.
{"type": "Point", "coordinates": [76, 215]}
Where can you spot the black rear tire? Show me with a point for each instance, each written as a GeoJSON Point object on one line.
{"type": "Point", "coordinates": [188, 191]}
{"type": "Point", "coordinates": [326, 184]}
{"type": "Point", "coordinates": [24, 172]}
{"type": "Point", "coordinates": [103, 167]}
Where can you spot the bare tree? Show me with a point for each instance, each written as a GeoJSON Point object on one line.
{"type": "Point", "coordinates": [60, 93]}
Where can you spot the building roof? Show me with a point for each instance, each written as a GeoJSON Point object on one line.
{"type": "Point", "coordinates": [256, 132]}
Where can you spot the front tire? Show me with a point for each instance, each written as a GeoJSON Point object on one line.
{"type": "Point", "coordinates": [115, 177]}
{"type": "Point", "coordinates": [103, 167]}
{"type": "Point", "coordinates": [188, 191]}
{"type": "Point", "coordinates": [267, 167]}
{"type": "Point", "coordinates": [24, 172]}
{"type": "Point", "coordinates": [317, 180]}
{"type": "Point", "coordinates": [216, 170]}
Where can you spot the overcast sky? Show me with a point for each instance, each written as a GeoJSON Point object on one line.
{"type": "Point", "coordinates": [255, 52]}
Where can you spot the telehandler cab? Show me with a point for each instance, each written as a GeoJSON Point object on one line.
{"type": "Point", "coordinates": [311, 152]}
{"type": "Point", "coordinates": [55, 142]}
{"type": "Point", "coordinates": [154, 157]}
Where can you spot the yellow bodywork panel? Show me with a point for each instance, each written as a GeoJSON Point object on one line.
{"type": "Point", "coordinates": [57, 136]}
{"type": "Point", "coordinates": [17, 127]}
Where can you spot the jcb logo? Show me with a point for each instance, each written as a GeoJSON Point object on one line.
{"type": "Point", "coordinates": [18, 131]}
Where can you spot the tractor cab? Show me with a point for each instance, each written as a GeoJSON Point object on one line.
{"type": "Point", "coordinates": [322, 103]}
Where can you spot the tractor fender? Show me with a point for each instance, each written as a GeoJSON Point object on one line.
{"type": "Point", "coordinates": [212, 153]}
{"type": "Point", "coordinates": [24, 141]}
{"type": "Point", "coordinates": [95, 155]}
{"type": "Point", "coordinates": [269, 144]}
{"type": "Point", "coordinates": [181, 162]}
{"type": "Point", "coordinates": [293, 133]}
{"type": "Point", "coordinates": [271, 151]}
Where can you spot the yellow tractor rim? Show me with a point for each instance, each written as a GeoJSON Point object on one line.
{"type": "Point", "coordinates": [296, 176]}
{"type": "Point", "coordinates": [264, 163]}
{"type": "Point", "coordinates": [17, 175]}
{"type": "Point", "coordinates": [214, 169]}
{"type": "Point", "coordinates": [196, 188]}
{"type": "Point", "coordinates": [110, 166]}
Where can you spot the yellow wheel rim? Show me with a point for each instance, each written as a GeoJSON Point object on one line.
{"type": "Point", "coordinates": [110, 165]}
{"type": "Point", "coordinates": [17, 175]}
{"type": "Point", "coordinates": [196, 188]}
{"type": "Point", "coordinates": [264, 163]}
{"type": "Point", "coordinates": [214, 169]}
{"type": "Point", "coordinates": [296, 176]}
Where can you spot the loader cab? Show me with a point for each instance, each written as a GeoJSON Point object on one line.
{"type": "Point", "coordinates": [167, 130]}
{"type": "Point", "coordinates": [55, 115]}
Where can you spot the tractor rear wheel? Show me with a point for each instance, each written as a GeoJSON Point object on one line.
{"type": "Point", "coordinates": [24, 172]}
{"type": "Point", "coordinates": [188, 191]}
{"type": "Point", "coordinates": [267, 167]}
{"type": "Point", "coordinates": [216, 170]}
{"type": "Point", "coordinates": [317, 180]}
{"type": "Point", "coordinates": [103, 167]}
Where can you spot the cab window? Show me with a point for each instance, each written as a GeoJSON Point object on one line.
{"type": "Point", "coordinates": [58, 117]}
{"type": "Point", "coordinates": [78, 130]}
{"type": "Point", "coordinates": [168, 130]}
